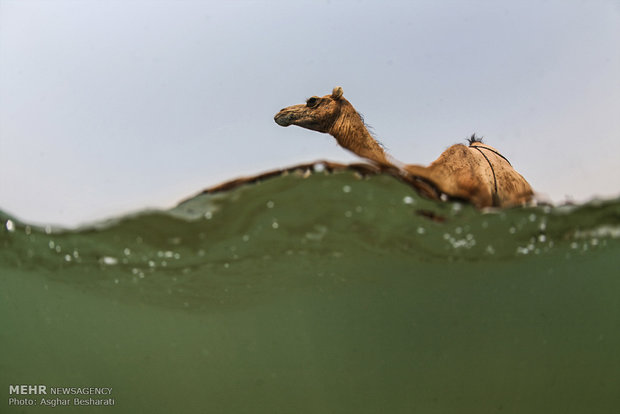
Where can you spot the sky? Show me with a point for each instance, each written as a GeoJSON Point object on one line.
{"type": "Point", "coordinates": [109, 106]}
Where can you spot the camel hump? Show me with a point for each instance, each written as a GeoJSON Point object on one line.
{"type": "Point", "coordinates": [337, 93]}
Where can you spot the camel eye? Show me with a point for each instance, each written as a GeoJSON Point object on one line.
{"type": "Point", "coordinates": [312, 102]}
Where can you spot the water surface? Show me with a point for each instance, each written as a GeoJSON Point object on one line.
{"type": "Point", "coordinates": [321, 293]}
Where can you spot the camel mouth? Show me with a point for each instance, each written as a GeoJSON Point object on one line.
{"type": "Point", "coordinates": [282, 118]}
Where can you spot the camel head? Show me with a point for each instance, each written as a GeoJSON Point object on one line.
{"type": "Point", "coordinates": [334, 115]}
{"type": "Point", "coordinates": [317, 114]}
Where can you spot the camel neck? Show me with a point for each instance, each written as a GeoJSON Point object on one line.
{"type": "Point", "coordinates": [351, 133]}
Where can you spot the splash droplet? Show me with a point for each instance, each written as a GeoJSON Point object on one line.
{"type": "Point", "coordinates": [10, 226]}
{"type": "Point", "coordinates": [109, 260]}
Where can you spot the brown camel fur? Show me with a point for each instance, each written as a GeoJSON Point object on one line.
{"type": "Point", "coordinates": [476, 173]}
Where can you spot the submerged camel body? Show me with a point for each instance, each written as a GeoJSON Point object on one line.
{"type": "Point", "coordinates": [476, 173]}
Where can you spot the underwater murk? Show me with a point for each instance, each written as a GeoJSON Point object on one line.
{"type": "Point", "coordinates": [320, 293]}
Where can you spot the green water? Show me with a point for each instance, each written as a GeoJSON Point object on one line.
{"type": "Point", "coordinates": [325, 294]}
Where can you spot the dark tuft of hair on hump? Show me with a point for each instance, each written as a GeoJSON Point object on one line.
{"type": "Point", "coordinates": [473, 139]}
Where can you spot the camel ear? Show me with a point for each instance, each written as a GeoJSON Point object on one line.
{"type": "Point", "coordinates": [337, 93]}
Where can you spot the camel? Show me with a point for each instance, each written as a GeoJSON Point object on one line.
{"type": "Point", "coordinates": [476, 173]}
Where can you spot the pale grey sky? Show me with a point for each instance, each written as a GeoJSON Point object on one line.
{"type": "Point", "coordinates": [113, 106]}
